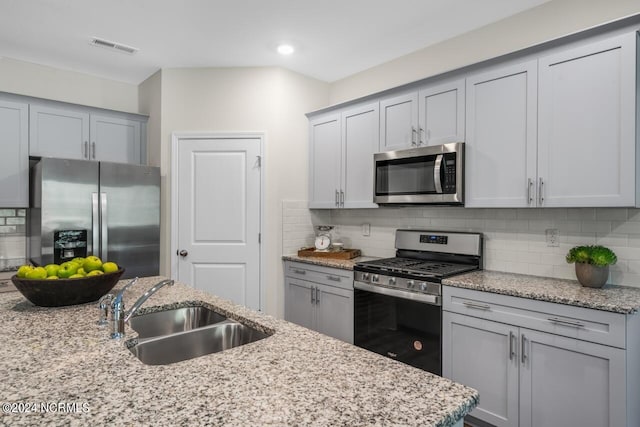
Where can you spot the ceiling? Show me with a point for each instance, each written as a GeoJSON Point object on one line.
{"type": "Point", "coordinates": [333, 38]}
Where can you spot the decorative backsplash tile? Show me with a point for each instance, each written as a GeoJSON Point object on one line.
{"type": "Point", "coordinates": [515, 238]}
{"type": "Point", "coordinates": [12, 238]}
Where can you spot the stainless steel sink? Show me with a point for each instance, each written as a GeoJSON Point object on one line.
{"type": "Point", "coordinates": [171, 321]}
{"type": "Point", "coordinates": [163, 350]}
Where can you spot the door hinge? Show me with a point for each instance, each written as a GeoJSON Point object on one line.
{"type": "Point", "coordinates": [259, 237]}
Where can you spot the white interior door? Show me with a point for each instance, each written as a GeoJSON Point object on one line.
{"type": "Point", "coordinates": [218, 216]}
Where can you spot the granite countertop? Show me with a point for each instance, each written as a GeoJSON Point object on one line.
{"type": "Point", "coordinates": [617, 299]}
{"type": "Point", "coordinates": [344, 264]}
{"type": "Point", "coordinates": [294, 377]}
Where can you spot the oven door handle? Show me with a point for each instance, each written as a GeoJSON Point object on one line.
{"type": "Point", "coordinates": [398, 293]}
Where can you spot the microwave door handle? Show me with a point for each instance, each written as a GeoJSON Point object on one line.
{"type": "Point", "coordinates": [437, 169]}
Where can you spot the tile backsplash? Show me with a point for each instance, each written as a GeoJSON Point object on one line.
{"type": "Point", "coordinates": [515, 239]}
{"type": "Point", "coordinates": [12, 238]}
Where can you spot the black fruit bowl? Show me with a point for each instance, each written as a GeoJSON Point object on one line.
{"type": "Point", "coordinates": [57, 293]}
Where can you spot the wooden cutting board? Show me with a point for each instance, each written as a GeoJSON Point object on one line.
{"type": "Point", "coordinates": [339, 254]}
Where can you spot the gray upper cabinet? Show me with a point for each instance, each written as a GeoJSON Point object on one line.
{"type": "Point", "coordinates": [501, 136]}
{"type": "Point", "coordinates": [399, 122]}
{"type": "Point", "coordinates": [342, 144]}
{"type": "Point", "coordinates": [84, 134]}
{"type": "Point", "coordinates": [430, 116]}
{"type": "Point", "coordinates": [14, 162]}
{"type": "Point", "coordinates": [587, 124]}
{"type": "Point", "coordinates": [114, 139]}
{"type": "Point", "coordinates": [58, 132]}
{"type": "Point", "coordinates": [441, 113]}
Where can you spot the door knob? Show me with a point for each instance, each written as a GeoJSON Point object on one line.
{"type": "Point", "coordinates": [183, 253]}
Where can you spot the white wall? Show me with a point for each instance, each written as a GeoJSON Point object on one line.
{"type": "Point", "coordinates": [150, 103]}
{"type": "Point", "coordinates": [270, 100]}
{"type": "Point", "coordinates": [547, 21]}
{"type": "Point", "coordinates": [26, 78]}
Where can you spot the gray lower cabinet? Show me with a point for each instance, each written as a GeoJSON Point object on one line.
{"type": "Point", "coordinates": [539, 364]}
{"type": "Point", "coordinates": [14, 162]}
{"type": "Point", "coordinates": [320, 298]}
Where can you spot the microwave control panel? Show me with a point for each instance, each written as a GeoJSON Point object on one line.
{"type": "Point", "coordinates": [449, 182]}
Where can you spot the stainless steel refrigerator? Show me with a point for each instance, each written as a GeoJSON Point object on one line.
{"type": "Point", "coordinates": [80, 208]}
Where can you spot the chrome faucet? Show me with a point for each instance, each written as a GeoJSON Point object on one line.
{"type": "Point", "coordinates": [118, 314]}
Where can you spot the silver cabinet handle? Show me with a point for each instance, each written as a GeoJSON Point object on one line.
{"type": "Point", "coordinates": [337, 198]}
{"type": "Point", "coordinates": [317, 295]}
{"type": "Point", "coordinates": [529, 193]}
{"type": "Point", "coordinates": [566, 322]}
{"type": "Point", "coordinates": [341, 199]}
{"type": "Point", "coordinates": [414, 132]}
{"type": "Point", "coordinates": [334, 278]}
{"type": "Point", "coordinates": [522, 349]}
{"type": "Point", "coordinates": [93, 150]}
{"type": "Point", "coordinates": [476, 305]}
{"type": "Point", "coordinates": [421, 141]}
{"type": "Point", "coordinates": [313, 298]}
{"type": "Point", "coordinates": [295, 270]}
{"type": "Point", "coordinates": [85, 151]}
{"type": "Point", "coordinates": [512, 352]}
{"type": "Point", "coordinates": [540, 192]}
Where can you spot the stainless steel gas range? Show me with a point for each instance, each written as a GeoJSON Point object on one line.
{"type": "Point", "coordinates": [398, 301]}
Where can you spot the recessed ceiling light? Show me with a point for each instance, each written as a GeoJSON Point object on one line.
{"type": "Point", "coordinates": [285, 49]}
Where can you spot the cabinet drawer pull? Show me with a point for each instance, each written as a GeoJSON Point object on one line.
{"type": "Point", "coordinates": [295, 270]}
{"type": "Point", "coordinates": [476, 305]}
{"type": "Point", "coordinates": [313, 297]}
{"type": "Point", "coordinates": [85, 152]}
{"type": "Point", "coordinates": [334, 278]}
{"type": "Point", "coordinates": [93, 150]}
{"type": "Point", "coordinates": [566, 322]}
{"type": "Point", "coordinates": [522, 349]}
{"type": "Point", "coordinates": [413, 136]}
{"type": "Point", "coordinates": [317, 295]}
{"type": "Point", "coordinates": [540, 192]}
{"type": "Point", "coordinates": [529, 193]}
{"type": "Point", "coordinates": [337, 198]}
{"type": "Point", "coordinates": [341, 199]}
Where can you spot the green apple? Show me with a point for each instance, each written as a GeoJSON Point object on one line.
{"type": "Point", "coordinates": [92, 263]}
{"type": "Point", "coordinates": [67, 269]}
{"type": "Point", "coordinates": [109, 267]}
{"type": "Point", "coordinates": [76, 276]}
{"type": "Point", "coordinates": [37, 273]}
{"type": "Point", "coordinates": [23, 270]}
{"type": "Point", "coordinates": [81, 272]}
{"type": "Point", "coordinates": [95, 273]}
{"type": "Point", "coordinates": [78, 260]}
{"type": "Point", "coordinates": [52, 269]}
{"type": "Point", "coordinates": [52, 277]}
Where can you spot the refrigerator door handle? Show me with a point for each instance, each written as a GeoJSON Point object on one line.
{"type": "Point", "coordinates": [95, 224]}
{"type": "Point", "coordinates": [104, 235]}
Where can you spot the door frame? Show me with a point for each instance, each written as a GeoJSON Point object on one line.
{"type": "Point", "coordinates": [176, 137]}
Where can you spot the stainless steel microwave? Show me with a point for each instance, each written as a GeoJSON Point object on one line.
{"type": "Point", "coordinates": [424, 175]}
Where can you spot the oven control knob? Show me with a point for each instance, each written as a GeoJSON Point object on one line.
{"type": "Point", "coordinates": [374, 278]}
{"type": "Point", "coordinates": [392, 281]}
{"type": "Point", "coordinates": [423, 286]}
{"type": "Point", "coordinates": [411, 284]}
{"type": "Point", "coordinates": [365, 276]}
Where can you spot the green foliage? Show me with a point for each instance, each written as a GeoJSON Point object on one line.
{"type": "Point", "coordinates": [597, 255]}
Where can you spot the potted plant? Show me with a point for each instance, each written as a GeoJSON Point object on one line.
{"type": "Point", "coordinates": [592, 264]}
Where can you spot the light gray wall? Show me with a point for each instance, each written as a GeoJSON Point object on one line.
{"type": "Point", "coordinates": [26, 78]}
{"type": "Point", "coordinates": [547, 21]}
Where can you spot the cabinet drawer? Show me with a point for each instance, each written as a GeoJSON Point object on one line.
{"type": "Point", "coordinates": [315, 273]}
{"type": "Point", "coordinates": [586, 324]}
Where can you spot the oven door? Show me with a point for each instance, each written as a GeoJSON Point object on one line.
{"type": "Point", "coordinates": [407, 330]}
{"type": "Point", "coordinates": [420, 175]}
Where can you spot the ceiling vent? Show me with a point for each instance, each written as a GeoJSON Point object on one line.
{"type": "Point", "coordinates": [113, 45]}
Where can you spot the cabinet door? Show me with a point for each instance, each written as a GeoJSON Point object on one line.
{"type": "Point", "coordinates": [14, 162]}
{"type": "Point", "coordinates": [114, 139]}
{"type": "Point", "coordinates": [587, 125]}
{"type": "Point", "coordinates": [441, 112]}
{"type": "Point", "coordinates": [360, 136]}
{"type": "Point", "coordinates": [482, 354]}
{"type": "Point", "coordinates": [501, 137]}
{"type": "Point", "coordinates": [334, 315]}
{"type": "Point", "coordinates": [299, 308]}
{"type": "Point", "coordinates": [58, 132]}
{"type": "Point", "coordinates": [567, 382]}
{"type": "Point", "coordinates": [324, 161]}
{"type": "Point", "coordinates": [399, 122]}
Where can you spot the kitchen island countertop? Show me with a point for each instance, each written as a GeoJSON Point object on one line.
{"type": "Point", "coordinates": [294, 377]}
